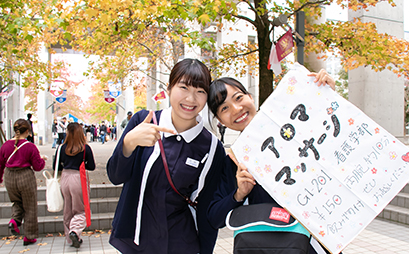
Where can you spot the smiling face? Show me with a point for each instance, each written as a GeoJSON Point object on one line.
{"type": "Point", "coordinates": [187, 102]}
{"type": "Point", "coordinates": [189, 83]}
{"type": "Point", "coordinates": [237, 110]}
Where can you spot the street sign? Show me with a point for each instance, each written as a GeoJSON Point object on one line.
{"type": "Point", "coordinates": [63, 96]}
{"type": "Point", "coordinates": [56, 88]}
{"type": "Point", "coordinates": [107, 96]}
{"type": "Point", "coordinates": [114, 89]}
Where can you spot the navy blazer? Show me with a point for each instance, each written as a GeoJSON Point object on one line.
{"type": "Point", "coordinates": [129, 171]}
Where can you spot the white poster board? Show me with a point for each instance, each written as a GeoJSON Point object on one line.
{"type": "Point", "coordinates": [331, 166]}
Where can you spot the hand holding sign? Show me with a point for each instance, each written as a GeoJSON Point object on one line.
{"type": "Point", "coordinates": [245, 181]}
{"type": "Point", "coordinates": [321, 158]}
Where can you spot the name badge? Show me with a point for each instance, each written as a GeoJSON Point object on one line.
{"type": "Point", "coordinates": [192, 162]}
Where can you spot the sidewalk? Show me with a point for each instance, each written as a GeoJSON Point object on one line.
{"type": "Point", "coordinates": [380, 237]}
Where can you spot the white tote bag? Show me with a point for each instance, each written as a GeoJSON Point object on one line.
{"type": "Point", "coordinates": [55, 201]}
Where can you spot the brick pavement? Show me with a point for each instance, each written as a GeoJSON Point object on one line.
{"type": "Point", "coordinates": [380, 237]}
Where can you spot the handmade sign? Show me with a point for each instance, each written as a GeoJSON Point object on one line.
{"type": "Point", "coordinates": [331, 166]}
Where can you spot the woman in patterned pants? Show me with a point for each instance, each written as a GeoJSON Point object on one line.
{"type": "Point", "coordinates": [18, 159]}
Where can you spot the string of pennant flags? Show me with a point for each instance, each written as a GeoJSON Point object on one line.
{"type": "Point", "coordinates": [113, 92]}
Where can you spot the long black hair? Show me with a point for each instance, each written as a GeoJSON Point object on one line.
{"type": "Point", "coordinates": [218, 92]}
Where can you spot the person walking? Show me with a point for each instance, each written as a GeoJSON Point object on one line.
{"type": "Point", "coordinates": [61, 128]}
{"type": "Point", "coordinates": [31, 136]}
{"type": "Point", "coordinates": [19, 159]}
{"type": "Point", "coordinates": [72, 153]}
{"type": "Point", "coordinates": [155, 212]}
{"type": "Point", "coordinates": [103, 132]}
{"type": "Point", "coordinates": [54, 133]}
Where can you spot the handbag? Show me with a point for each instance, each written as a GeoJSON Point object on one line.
{"type": "Point", "coordinates": [266, 228]}
{"type": "Point", "coordinates": [15, 150]}
{"type": "Point", "coordinates": [54, 135]}
{"type": "Point", "coordinates": [193, 204]}
{"type": "Point", "coordinates": [84, 187]}
{"type": "Point", "coordinates": [55, 201]}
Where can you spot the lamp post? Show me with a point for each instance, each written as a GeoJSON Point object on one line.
{"type": "Point", "coordinates": [300, 29]}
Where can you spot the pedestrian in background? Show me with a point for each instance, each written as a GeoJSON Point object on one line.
{"type": "Point", "coordinates": [152, 216]}
{"type": "Point", "coordinates": [92, 131]}
{"type": "Point", "coordinates": [19, 159]}
{"type": "Point", "coordinates": [222, 130]}
{"type": "Point", "coordinates": [54, 133]}
{"type": "Point", "coordinates": [126, 120]}
{"type": "Point", "coordinates": [72, 153]}
{"type": "Point", "coordinates": [103, 132]}
{"type": "Point", "coordinates": [31, 135]}
{"type": "Point", "coordinates": [114, 132]}
{"type": "Point", "coordinates": [61, 128]}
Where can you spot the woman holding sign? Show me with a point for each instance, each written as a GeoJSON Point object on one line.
{"type": "Point", "coordinates": [170, 172]}
{"type": "Point", "coordinates": [234, 107]}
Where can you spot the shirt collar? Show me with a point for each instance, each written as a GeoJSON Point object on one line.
{"type": "Point", "coordinates": [188, 135]}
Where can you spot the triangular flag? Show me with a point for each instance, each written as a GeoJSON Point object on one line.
{"type": "Point", "coordinates": [273, 63]}
{"type": "Point", "coordinates": [285, 45]}
{"type": "Point", "coordinates": [159, 96]}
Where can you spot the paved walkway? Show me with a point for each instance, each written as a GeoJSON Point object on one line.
{"type": "Point", "coordinates": [380, 237]}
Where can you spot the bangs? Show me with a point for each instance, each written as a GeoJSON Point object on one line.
{"type": "Point", "coordinates": [217, 95]}
{"type": "Point", "coordinates": [191, 72]}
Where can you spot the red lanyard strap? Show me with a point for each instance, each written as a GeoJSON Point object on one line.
{"type": "Point", "coordinates": [165, 164]}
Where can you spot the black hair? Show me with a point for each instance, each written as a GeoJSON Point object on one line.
{"type": "Point", "coordinates": [193, 72]}
{"type": "Point", "coordinates": [20, 126]}
{"type": "Point", "coordinates": [218, 92]}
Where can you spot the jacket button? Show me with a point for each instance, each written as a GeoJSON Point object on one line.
{"type": "Point", "coordinates": [178, 138]}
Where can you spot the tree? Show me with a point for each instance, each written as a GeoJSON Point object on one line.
{"type": "Point", "coordinates": [357, 43]}
{"type": "Point", "coordinates": [96, 106]}
{"type": "Point", "coordinates": [128, 30]}
{"type": "Point", "coordinates": [341, 85]}
{"type": "Point", "coordinates": [23, 32]}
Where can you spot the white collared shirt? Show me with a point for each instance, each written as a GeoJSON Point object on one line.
{"type": "Point", "coordinates": [188, 135]}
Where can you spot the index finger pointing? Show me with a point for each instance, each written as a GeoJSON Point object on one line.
{"type": "Point", "coordinates": [163, 129]}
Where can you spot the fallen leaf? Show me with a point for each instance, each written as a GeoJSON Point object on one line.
{"type": "Point", "coordinates": [56, 217]}
{"type": "Point", "coordinates": [96, 236]}
{"type": "Point", "coordinates": [42, 244]}
{"type": "Point", "coordinates": [23, 250]}
{"type": "Point", "coordinates": [8, 242]}
{"type": "Point", "coordinates": [49, 235]}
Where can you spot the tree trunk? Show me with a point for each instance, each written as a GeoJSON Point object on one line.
{"type": "Point", "coordinates": [264, 45]}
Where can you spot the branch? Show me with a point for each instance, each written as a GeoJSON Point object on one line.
{"type": "Point", "coordinates": [246, 18]}
{"type": "Point", "coordinates": [160, 58]}
{"type": "Point", "coordinates": [317, 2]}
{"type": "Point", "coordinates": [147, 74]}
{"type": "Point", "coordinates": [238, 55]}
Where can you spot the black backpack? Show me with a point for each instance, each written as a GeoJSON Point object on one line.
{"type": "Point", "coordinates": [266, 228]}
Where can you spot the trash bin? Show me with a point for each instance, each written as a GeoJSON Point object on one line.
{"type": "Point", "coordinates": [40, 141]}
